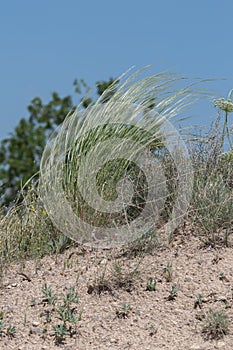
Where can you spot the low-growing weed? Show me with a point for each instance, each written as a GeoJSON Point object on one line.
{"type": "Point", "coordinates": [65, 311]}
{"type": "Point", "coordinates": [216, 325]}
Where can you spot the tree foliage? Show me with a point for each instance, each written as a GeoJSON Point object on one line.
{"type": "Point", "coordinates": [20, 153]}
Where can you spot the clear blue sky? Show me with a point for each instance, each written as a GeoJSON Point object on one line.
{"type": "Point", "coordinates": [45, 45]}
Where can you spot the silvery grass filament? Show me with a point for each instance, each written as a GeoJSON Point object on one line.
{"type": "Point", "coordinates": [99, 181]}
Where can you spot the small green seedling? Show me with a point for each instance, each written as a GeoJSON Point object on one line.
{"type": "Point", "coordinates": [173, 292]}
{"type": "Point", "coordinates": [153, 330]}
{"type": "Point", "coordinates": [124, 311]}
{"type": "Point", "coordinates": [2, 325]}
{"type": "Point", "coordinates": [198, 301]}
{"type": "Point", "coordinates": [167, 271]}
{"type": "Point", "coordinates": [50, 298]}
{"type": "Point", "coordinates": [151, 284]}
{"type": "Point", "coordinates": [10, 331]}
{"type": "Point", "coordinates": [66, 314]}
{"type": "Point", "coordinates": [33, 302]}
{"type": "Point", "coordinates": [71, 297]}
{"type": "Point", "coordinates": [4, 329]}
{"type": "Point", "coordinates": [60, 332]}
{"type": "Point", "coordinates": [222, 277]}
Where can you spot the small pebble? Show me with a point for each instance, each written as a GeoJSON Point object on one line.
{"type": "Point", "coordinates": [113, 341]}
{"type": "Point", "coordinates": [68, 286]}
{"type": "Point", "coordinates": [103, 262]}
{"type": "Point", "coordinates": [36, 331]}
{"type": "Point", "coordinates": [196, 347]}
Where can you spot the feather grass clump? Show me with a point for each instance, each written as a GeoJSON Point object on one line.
{"type": "Point", "coordinates": [101, 179]}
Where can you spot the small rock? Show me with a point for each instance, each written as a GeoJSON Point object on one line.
{"type": "Point", "coordinates": [221, 345]}
{"type": "Point", "coordinates": [187, 279]}
{"type": "Point", "coordinates": [14, 285]}
{"type": "Point", "coordinates": [68, 286]}
{"type": "Point", "coordinates": [96, 317]}
{"type": "Point", "coordinates": [200, 262]}
{"type": "Point", "coordinates": [35, 331]}
{"type": "Point", "coordinates": [35, 323]}
{"type": "Point", "coordinates": [103, 262]}
{"type": "Point", "coordinates": [113, 341]}
{"type": "Point", "coordinates": [196, 347]}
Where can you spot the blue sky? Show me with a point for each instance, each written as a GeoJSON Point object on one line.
{"type": "Point", "coordinates": [45, 45]}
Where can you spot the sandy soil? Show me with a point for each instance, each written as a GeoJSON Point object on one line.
{"type": "Point", "coordinates": [116, 308]}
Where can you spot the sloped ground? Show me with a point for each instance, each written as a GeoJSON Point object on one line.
{"type": "Point", "coordinates": [116, 309]}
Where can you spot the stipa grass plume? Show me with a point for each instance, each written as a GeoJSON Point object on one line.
{"type": "Point", "coordinates": [101, 182]}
